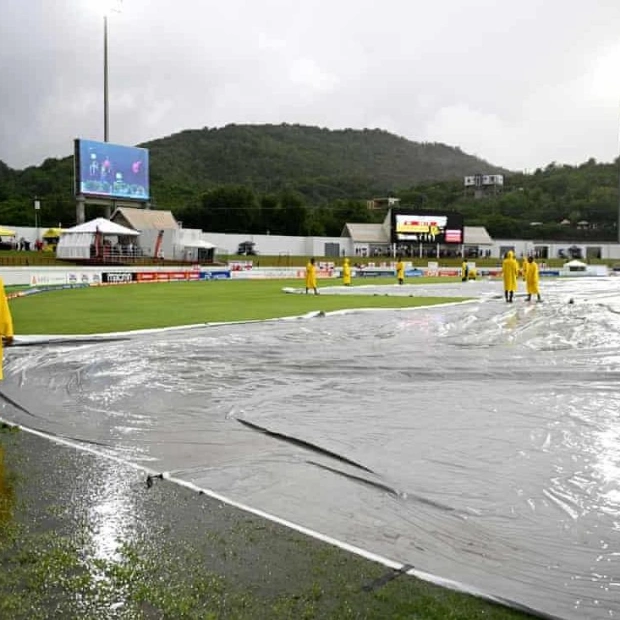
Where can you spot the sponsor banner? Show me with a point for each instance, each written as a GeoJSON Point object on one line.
{"type": "Point", "coordinates": [413, 273]}
{"type": "Point", "coordinates": [258, 275]}
{"type": "Point", "coordinates": [215, 274]}
{"type": "Point", "coordinates": [118, 277]}
{"type": "Point", "coordinates": [493, 272]}
{"type": "Point", "coordinates": [48, 279]}
{"type": "Point", "coordinates": [246, 275]}
{"type": "Point", "coordinates": [375, 273]}
{"type": "Point", "coordinates": [171, 276]}
{"type": "Point", "coordinates": [240, 265]}
{"type": "Point", "coordinates": [84, 277]}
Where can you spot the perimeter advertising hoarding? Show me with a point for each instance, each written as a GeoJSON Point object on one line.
{"type": "Point", "coordinates": [118, 277]}
{"type": "Point", "coordinates": [427, 227]}
{"type": "Point", "coordinates": [107, 170]}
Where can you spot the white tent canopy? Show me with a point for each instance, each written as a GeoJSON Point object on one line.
{"type": "Point", "coordinates": [77, 242]}
{"type": "Point", "coordinates": [198, 243]}
{"type": "Point", "coordinates": [104, 227]}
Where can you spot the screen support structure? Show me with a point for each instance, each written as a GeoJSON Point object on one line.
{"type": "Point", "coordinates": [110, 206]}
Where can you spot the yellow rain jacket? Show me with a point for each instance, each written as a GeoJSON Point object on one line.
{"type": "Point", "coordinates": [510, 271]}
{"type": "Point", "coordinates": [310, 275]}
{"type": "Point", "coordinates": [524, 265]}
{"type": "Point", "coordinates": [400, 270]}
{"type": "Point", "coordinates": [346, 272]}
{"type": "Point", "coordinates": [531, 278]}
{"type": "Point", "coordinates": [6, 322]}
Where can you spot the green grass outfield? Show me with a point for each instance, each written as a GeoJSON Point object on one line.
{"type": "Point", "coordinates": [143, 306]}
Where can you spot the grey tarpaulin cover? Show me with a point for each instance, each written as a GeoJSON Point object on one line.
{"type": "Point", "coordinates": [477, 442]}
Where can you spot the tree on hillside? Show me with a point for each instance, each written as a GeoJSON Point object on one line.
{"type": "Point", "coordinates": [229, 209]}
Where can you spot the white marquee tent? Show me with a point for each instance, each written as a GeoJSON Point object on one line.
{"type": "Point", "coordinates": [102, 226]}
{"type": "Point", "coordinates": [78, 241]}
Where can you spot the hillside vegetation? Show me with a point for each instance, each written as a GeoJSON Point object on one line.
{"type": "Point", "coordinates": [317, 165]}
{"type": "Point", "coordinates": [299, 180]}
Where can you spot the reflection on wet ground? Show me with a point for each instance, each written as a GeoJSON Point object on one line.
{"type": "Point", "coordinates": [476, 442]}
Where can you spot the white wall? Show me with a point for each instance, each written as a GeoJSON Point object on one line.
{"type": "Point", "coordinates": [29, 233]}
{"type": "Point", "coordinates": [274, 245]}
{"type": "Point", "coordinates": [609, 251]}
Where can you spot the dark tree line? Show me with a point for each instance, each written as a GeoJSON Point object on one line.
{"type": "Point", "coordinates": [295, 180]}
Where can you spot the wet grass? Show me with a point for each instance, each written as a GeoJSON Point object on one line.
{"type": "Point", "coordinates": [142, 306]}
{"type": "Point", "coordinates": [184, 557]}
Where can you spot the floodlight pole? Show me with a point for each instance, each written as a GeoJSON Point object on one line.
{"type": "Point", "coordinates": [618, 221]}
{"type": "Point", "coordinates": [37, 208]}
{"type": "Point", "coordinates": [106, 123]}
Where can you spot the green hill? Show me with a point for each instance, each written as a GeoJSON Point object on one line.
{"type": "Point", "coordinates": [300, 180]}
{"type": "Point", "coordinates": [319, 163]}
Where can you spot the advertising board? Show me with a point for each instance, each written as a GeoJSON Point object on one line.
{"type": "Point", "coordinates": [48, 279]}
{"type": "Point", "coordinates": [83, 277]}
{"type": "Point", "coordinates": [215, 274]}
{"type": "Point", "coordinates": [118, 277]}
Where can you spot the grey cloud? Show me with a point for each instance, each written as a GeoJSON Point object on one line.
{"type": "Point", "coordinates": [518, 85]}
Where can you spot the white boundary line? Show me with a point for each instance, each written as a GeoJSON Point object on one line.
{"type": "Point", "coordinates": [359, 551]}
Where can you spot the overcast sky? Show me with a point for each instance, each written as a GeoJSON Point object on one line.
{"type": "Point", "coordinates": [519, 84]}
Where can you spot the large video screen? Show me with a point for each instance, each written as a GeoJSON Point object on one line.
{"type": "Point", "coordinates": [427, 227]}
{"type": "Point", "coordinates": [111, 170]}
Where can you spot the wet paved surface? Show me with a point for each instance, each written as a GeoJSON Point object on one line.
{"type": "Point", "coordinates": [477, 442]}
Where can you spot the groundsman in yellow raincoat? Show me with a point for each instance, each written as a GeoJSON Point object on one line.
{"type": "Point", "coordinates": [531, 279]}
{"type": "Point", "coordinates": [510, 271]}
{"type": "Point", "coordinates": [400, 271]}
{"type": "Point", "coordinates": [346, 273]}
{"type": "Point", "coordinates": [6, 323]}
{"type": "Point", "coordinates": [311, 277]}
{"type": "Point", "coordinates": [524, 268]}
{"type": "Point", "coordinates": [464, 271]}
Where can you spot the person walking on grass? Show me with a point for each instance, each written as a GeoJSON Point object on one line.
{"type": "Point", "coordinates": [346, 273]}
{"type": "Point", "coordinates": [6, 324]}
{"type": "Point", "coordinates": [531, 279]}
{"type": "Point", "coordinates": [464, 271]}
{"type": "Point", "coordinates": [311, 277]}
{"type": "Point", "coordinates": [400, 271]}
